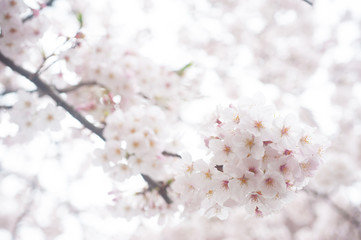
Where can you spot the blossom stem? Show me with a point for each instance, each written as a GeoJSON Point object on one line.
{"type": "Point", "coordinates": [82, 84]}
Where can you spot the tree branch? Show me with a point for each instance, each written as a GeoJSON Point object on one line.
{"type": "Point", "coordinates": [82, 84]}
{"type": "Point", "coordinates": [161, 189]}
{"type": "Point", "coordinates": [41, 85]}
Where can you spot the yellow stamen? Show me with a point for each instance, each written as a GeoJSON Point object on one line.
{"type": "Point", "coordinates": [258, 125]}
{"type": "Point", "coordinates": [284, 131]}
{"type": "Point", "coordinates": [227, 149]}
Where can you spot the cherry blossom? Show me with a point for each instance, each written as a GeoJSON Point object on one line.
{"type": "Point", "coordinates": [103, 111]}
{"type": "Point", "coordinates": [136, 139]}
{"type": "Point", "coordinates": [258, 169]}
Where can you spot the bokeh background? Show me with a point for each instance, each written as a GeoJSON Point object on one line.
{"type": "Point", "coordinates": [305, 59]}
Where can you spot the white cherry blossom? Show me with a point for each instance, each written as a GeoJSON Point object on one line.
{"type": "Point", "coordinates": [256, 160]}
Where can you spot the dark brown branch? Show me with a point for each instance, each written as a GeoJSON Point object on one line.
{"type": "Point", "coordinates": [151, 183]}
{"type": "Point", "coordinates": [30, 16]}
{"type": "Point", "coordinates": [41, 85]}
{"type": "Point", "coordinates": [161, 189]}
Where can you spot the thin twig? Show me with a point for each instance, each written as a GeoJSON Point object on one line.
{"type": "Point", "coordinates": [15, 91]}
{"type": "Point", "coordinates": [47, 67]}
{"type": "Point", "coordinates": [41, 68]}
{"type": "Point", "coordinates": [30, 16]}
{"type": "Point", "coordinates": [168, 154]}
{"type": "Point", "coordinates": [82, 84]}
{"type": "Point", "coordinates": [38, 71]}
{"type": "Point", "coordinates": [308, 2]}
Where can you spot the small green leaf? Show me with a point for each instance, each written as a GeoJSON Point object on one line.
{"type": "Point", "coordinates": [43, 54]}
{"type": "Point", "coordinates": [181, 71]}
{"type": "Point", "coordinates": [170, 181]}
{"type": "Point", "coordinates": [79, 17]}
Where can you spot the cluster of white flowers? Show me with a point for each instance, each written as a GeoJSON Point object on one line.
{"type": "Point", "coordinates": [95, 101]}
{"type": "Point", "coordinates": [163, 87]}
{"type": "Point", "coordinates": [16, 35]}
{"type": "Point", "coordinates": [135, 140]}
{"type": "Point", "coordinates": [257, 160]}
{"type": "Point", "coordinates": [28, 114]}
{"type": "Point", "coordinates": [135, 144]}
{"type": "Point", "coordinates": [11, 25]}
{"type": "Point", "coordinates": [126, 75]}
{"type": "Point", "coordinates": [147, 203]}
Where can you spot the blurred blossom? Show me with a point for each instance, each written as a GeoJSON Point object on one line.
{"type": "Point", "coordinates": [148, 75]}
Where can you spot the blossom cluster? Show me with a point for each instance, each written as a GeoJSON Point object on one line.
{"type": "Point", "coordinates": [257, 159]}
{"type": "Point", "coordinates": [135, 144]}
{"type": "Point", "coordinates": [135, 140]}
{"type": "Point", "coordinates": [11, 24]}
{"type": "Point", "coordinates": [31, 118]}
{"type": "Point", "coordinates": [147, 203]}
{"type": "Point", "coordinates": [125, 76]}
{"type": "Point", "coordinates": [15, 33]}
